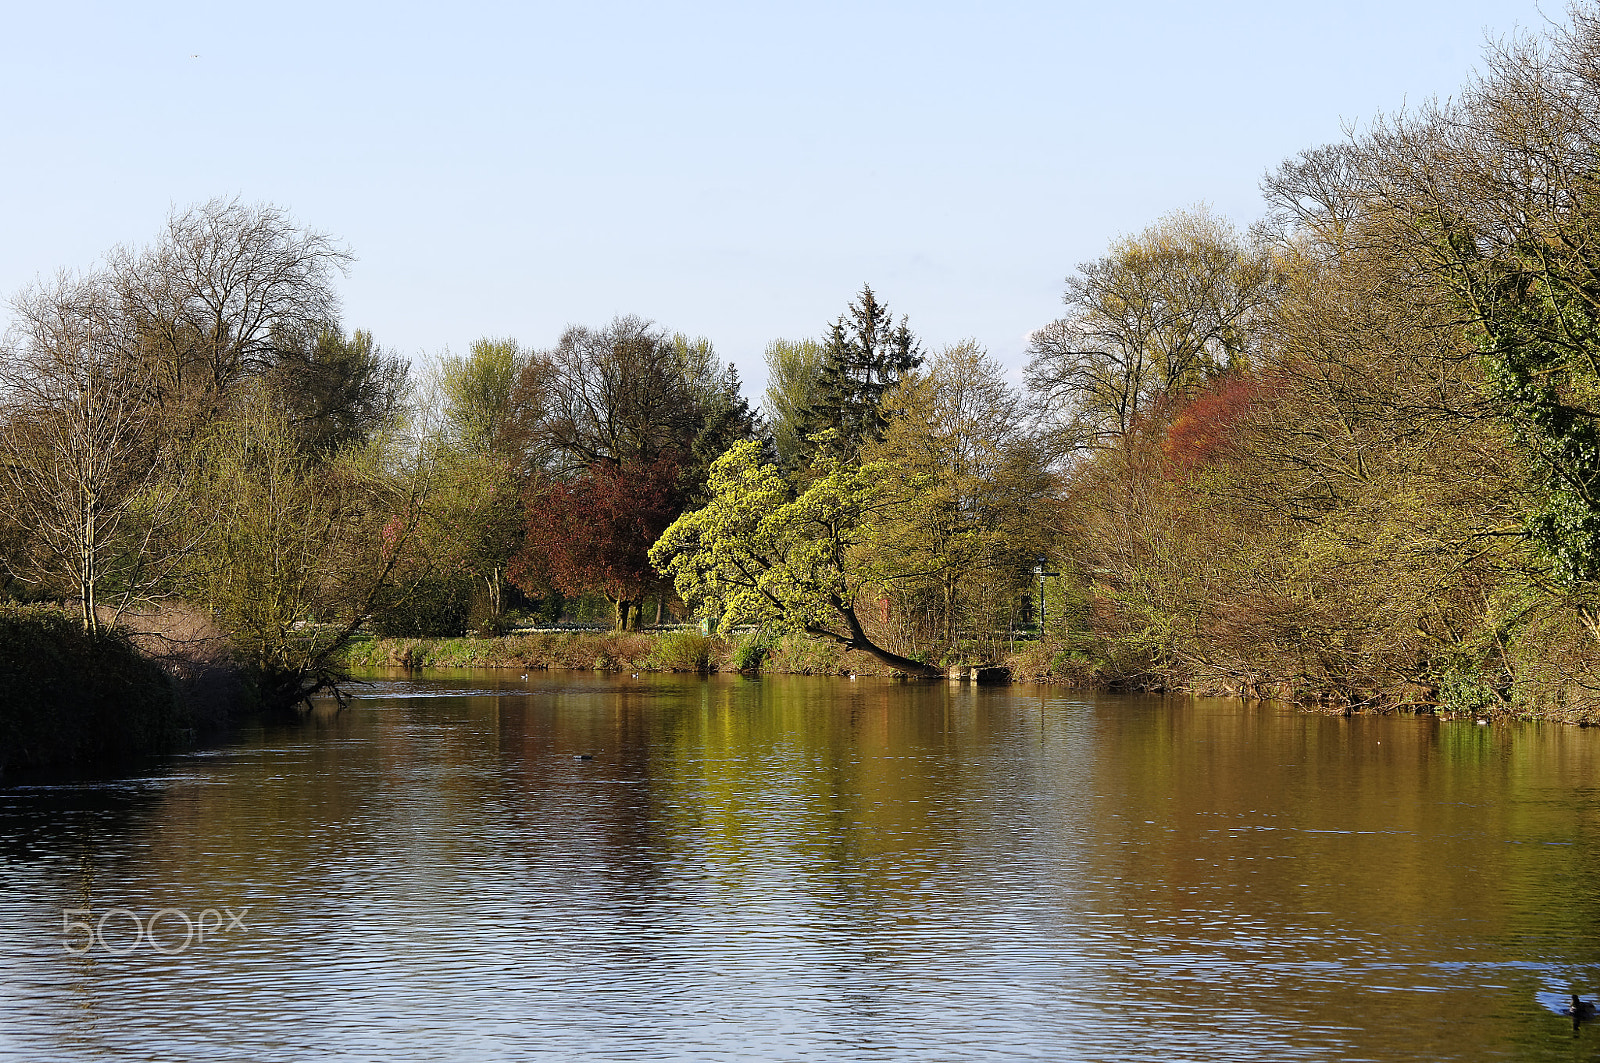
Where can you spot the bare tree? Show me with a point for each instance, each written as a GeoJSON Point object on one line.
{"type": "Point", "coordinates": [1157, 317]}
{"type": "Point", "coordinates": [632, 393]}
{"type": "Point", "coordinates": [1318, 193]}
{"type": "Point", "coordinates": [84, 470]}
{"type": "Point", "coordinates": [213, 298]}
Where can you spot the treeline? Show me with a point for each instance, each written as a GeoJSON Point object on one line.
{"type": "Point", "coordinates": [1356, 455]}
{"type": "Point", "coordinates": [193, 446]}
{"type": "Point", "coordinates": [1350, 454]}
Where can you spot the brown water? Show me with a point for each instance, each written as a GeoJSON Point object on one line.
{"type": "Point", "coordinates": [798, 869]}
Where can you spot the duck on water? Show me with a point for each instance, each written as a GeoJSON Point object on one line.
{"type": "Point", "coordinates": [1580, 1010]}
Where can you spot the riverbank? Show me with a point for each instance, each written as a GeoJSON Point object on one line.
{"type": "Point", "coordinates": [676, 650]}
{"type": "Point", "coordinates": [75, 702]}
{"type": "Point", "coordinates": [79, 701]}
{"type": "Point", "coordinates": [1046, 663]}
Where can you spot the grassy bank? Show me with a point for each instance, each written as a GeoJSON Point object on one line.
{"type": "Point", "coordinates": [74, 701]}
{"type": "Point", "coordinates": [1049, 662]}
{"type": "Point", "coordinates": [668, 651]}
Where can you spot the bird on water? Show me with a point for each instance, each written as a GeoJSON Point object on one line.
{"type": "Point", "coordinates": [1581, 1010]}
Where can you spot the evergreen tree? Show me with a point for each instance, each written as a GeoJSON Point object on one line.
{"type": "Point", "coordinates": [865, 355]}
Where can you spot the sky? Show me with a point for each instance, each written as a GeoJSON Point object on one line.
{"type": "Point", "coordinates": [736, 171]}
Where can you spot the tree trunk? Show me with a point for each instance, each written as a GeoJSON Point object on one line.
{"type": "Point", "coordinates": [858, 640]}
{"type": "Point", "coordinates": [949, 611]}
{"type": "Point", "coordinates": [86, 573]}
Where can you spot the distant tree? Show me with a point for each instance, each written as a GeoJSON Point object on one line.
{"type": "Point", "coordinates": [471, 525]}
{"type": "Point", "coordinates": [609, 412]}
{"type": "Point", "coordinates": [593, 533]}
{"type": "Point", "coordinates": [864, 355]}
{"type": "Point", "coordinates": [725, 418]}
{"type": "Point", "coordinates": [757, 554]}
{"type": "Point", "coordinates": [339, 390]}
{"type": "Point", "coordinates": [631, 393]}
{"type": "Point", "coordinates": [966, 537]}
{"type": "Point", "coordinates": [1315, 199]}
{"type": "Point", "coordinates": [472, 521]}
{"type": "Point", "coordinates": [295, 551]}
{"type": "Point", "coordinates": [477, 391]}
{"type": "Point", "coordinates": [1159, 316]}
{"type": "Point", "coordinates": [794, 375]}
{"type": "Point", "coordinates": [215, 299]}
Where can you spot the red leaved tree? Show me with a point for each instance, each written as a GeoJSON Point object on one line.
{"type": "Point", "coordinates": [594, 533]}
{"type": "Point", "coordinates": [1204, 429]}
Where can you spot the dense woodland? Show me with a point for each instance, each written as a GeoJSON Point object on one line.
{"type": "Point", "coordinates": [1351, 454]}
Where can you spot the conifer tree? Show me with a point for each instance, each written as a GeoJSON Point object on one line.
{"type": "Point", "coordinates": [866, 354]}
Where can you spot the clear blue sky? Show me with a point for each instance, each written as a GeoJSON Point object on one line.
{"type": "Point", "coordinates": [731, 170]}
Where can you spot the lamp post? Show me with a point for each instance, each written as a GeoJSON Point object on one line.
{"type": "Point", "coordinates": [1038, 570]}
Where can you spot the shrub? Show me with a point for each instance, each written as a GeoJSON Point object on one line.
{"type": "Point", "coordinates": [804, 655]}
{"type": "Point", "coordinates": [75, 700]}
{"type": "Point", "coordinates": [435, 608]}
{"type": "Point", "coordinates": [682, 651]}
{"type": "Point", "coordinates": [749, 654]}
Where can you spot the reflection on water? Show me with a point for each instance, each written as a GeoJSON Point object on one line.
{"type": "Point", "coordinates": [812, 869]}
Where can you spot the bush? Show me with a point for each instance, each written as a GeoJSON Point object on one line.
{"type": "Point", "coordinates": [682, 651]}
{"type": "Point", "coordinates": [749, 654]}
{"type": "Point", "coordinates": [74, 700]}
{"type": "Point", "coordinates": [1051, 661]}
{"type": "Point", "coordinates": [804, 655]}
{"type": "Point", "coordinates": [435, 608]}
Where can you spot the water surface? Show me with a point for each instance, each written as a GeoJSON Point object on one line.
{"type": "Point", "coordinates": [812, 869]}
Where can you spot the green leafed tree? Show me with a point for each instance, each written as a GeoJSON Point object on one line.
{"type": "Point", "coordinates": [758, 554]}
{"type": "Point", "coordinates": [794, 376]}
{"type": "Point", "coordinates": [339, 390]}
{"type": "Point", "coordinates": [966, 538]}
{"type": "Point", "coordinates": [295, 552]}
{"type": "Point", "coordinates": [476, 390]}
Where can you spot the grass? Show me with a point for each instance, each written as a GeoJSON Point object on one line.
{"type": "Point", "coordinates": [630, 651]}
{"type": "Point", "coordinates": [684, 651]}
{"type": "Point", "coordinates": [587, 650]}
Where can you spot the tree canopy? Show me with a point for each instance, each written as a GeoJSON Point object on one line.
{"type": "Point", "coordinates": [758, 554]}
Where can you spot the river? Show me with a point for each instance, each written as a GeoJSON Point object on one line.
{"type": "Point", "coordinates": [574, 867]}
